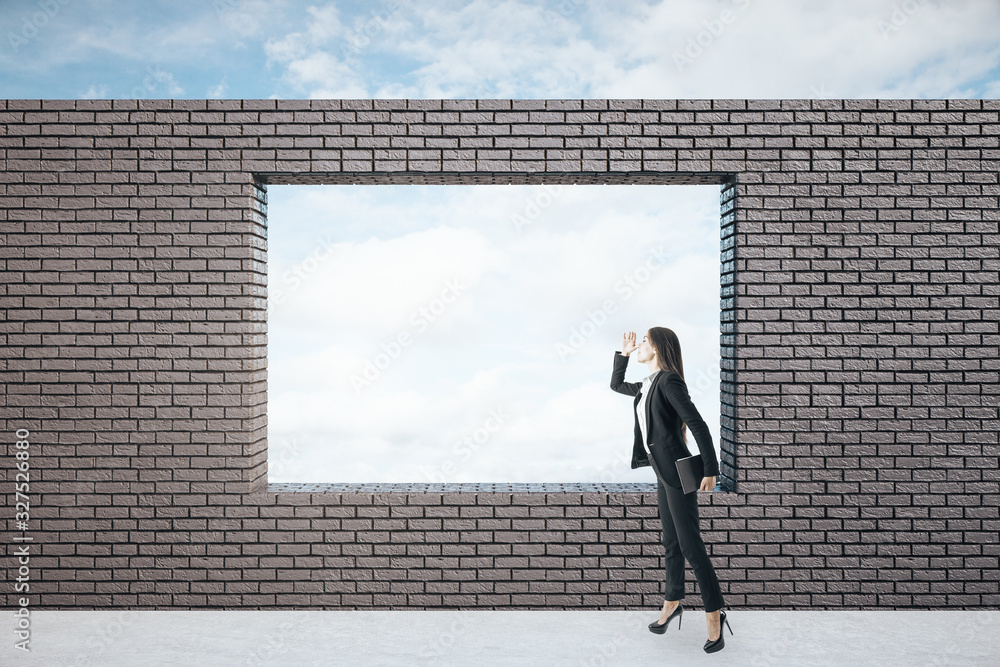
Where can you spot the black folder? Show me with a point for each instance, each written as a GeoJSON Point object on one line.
{"type": "Point", "coordinates": [691, 471]}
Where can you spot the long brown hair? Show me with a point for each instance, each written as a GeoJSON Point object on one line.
{"type": "Point", "coordinates": [668, 357]}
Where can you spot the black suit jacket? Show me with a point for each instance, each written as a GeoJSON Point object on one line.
{"type": "Point", "coordinates": [667, 405]}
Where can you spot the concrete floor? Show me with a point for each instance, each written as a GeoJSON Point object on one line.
{"type": "Point", "coordinates": [484, 638]}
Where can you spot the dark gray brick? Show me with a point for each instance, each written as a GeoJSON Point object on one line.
{"type": "Point", "coordinates": [858, 259]}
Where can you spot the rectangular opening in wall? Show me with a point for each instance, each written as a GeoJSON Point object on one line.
{"type": "Point", "coordinates": [436, 334]}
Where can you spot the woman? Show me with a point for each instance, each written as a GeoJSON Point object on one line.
{"type": "Point", "coordinates": [663, 410]}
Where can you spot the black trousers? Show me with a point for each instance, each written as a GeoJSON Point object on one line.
{"type": "Point", "coordinates": [682, 539]}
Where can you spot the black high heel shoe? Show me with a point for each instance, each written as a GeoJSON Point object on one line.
{"type": "Point", "coordinates": [660, 629]}
{"type": "Point", "coordinates": [718, 644]}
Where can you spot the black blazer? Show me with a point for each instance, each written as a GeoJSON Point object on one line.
{"type": "Point", "coordinates": [667, 405]}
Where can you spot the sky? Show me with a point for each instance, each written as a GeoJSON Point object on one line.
{"type": "Point", "coordinates": [467, 333]}
{"type": "Point", "coordinates": [71, 49]}
{"type": "Point", "coordinates": [487, 316]}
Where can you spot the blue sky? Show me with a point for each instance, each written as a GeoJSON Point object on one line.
{"type": "Point", "coordinates": [482, 393]}
{"type": "Point", "coordinates": [557, 49]}
{"type": "Point", "coordinates": [505, 303]}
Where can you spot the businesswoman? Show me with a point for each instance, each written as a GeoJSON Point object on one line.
{"type": "Point", "coordinates": [663, 409]}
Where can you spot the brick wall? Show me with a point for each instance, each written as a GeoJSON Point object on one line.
{"type": "Point", "coordinates": [859, 265]}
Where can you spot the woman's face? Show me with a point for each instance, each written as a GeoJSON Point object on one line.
{"type": "Point", "coordinates": [645, 349]}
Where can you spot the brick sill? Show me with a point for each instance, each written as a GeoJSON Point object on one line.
{"type": "Point", "coordinates": [470, 487]}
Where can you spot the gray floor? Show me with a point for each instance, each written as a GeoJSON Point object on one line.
{"type": "Point", "coordinates": [482, 638]}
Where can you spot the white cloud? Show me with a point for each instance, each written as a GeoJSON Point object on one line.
{"type": "Point", "coordinates": [308, 63]}
{"type": "Point", "coordinates": [152, 82]}
{"type": "Point", "coordinates": [326, 77]}
{"type": "Point", "coordinates": [523, 49]}
{"type": "Point", "coordinates": [108, 40]}
{"type": "Point", "coordinates": [248, 18]}
{"type": "Point", "coordinates": [95, 92]}
{"type": "Point", "coordinates": [783, 49]}
{"type": "Point", "coordinates": [382, 283]}
{"type": "Point", "coordinates": [366, 259]}
{"type": "Point", "coordinates": [513, 49]}
{"type": "Point", "coordinates": [218, 91]}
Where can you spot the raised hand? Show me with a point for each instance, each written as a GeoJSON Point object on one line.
{"type": "Point", "coordinates": [628, 342]}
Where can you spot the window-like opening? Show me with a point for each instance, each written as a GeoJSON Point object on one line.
{"type": "Point", "coordinates": [421, 333]}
